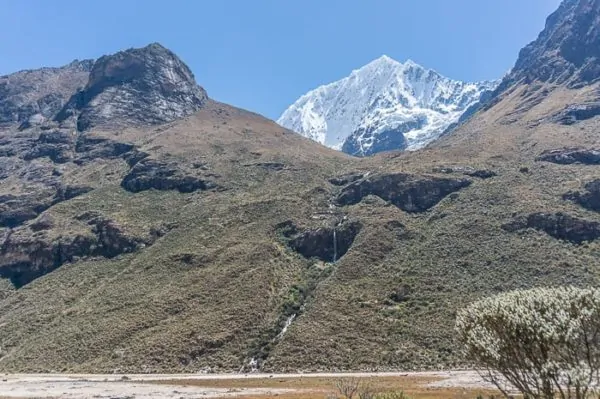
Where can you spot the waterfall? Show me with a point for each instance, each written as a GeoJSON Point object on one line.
{"type": "Point", "coordinates": [334, 245]}
{"type": "Point", "coordinates": [287, 325]}
{"type": "Point", "coordinates": [253, 364]}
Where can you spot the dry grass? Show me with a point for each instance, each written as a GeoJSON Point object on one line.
{"type": "Point", "coordinates": [320, 387]}
{"type": "Point", "coordinates": [151, 312]}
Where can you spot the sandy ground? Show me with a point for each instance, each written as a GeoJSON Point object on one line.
{"type": "Point", "coordinates": [96, 386]}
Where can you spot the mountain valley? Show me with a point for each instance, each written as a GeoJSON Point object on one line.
{"type": "Point", "coordinates": [145, 227]}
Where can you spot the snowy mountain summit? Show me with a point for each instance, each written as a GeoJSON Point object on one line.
{"type": "Point", "coordinates": [385, 105]}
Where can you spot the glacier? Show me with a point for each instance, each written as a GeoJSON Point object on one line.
{"type": "Point", "coordinates": [385, 105]}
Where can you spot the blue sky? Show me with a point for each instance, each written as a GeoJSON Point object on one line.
{"type": "Point", "coordinates": [263, 54]}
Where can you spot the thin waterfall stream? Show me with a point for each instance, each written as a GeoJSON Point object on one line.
{"type": "Point", "coordinates": [287, 325]}
{"type": "Point", "coordinates": [334, 245]}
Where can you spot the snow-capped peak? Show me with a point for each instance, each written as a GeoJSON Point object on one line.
{"type": "Point", "coordinates": [382, 106]}
{"type": "Point", "coordinates": [383, 60]}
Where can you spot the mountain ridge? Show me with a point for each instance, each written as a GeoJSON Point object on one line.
{"type": "Point", "coordinates": [383, 105]}
{"type": "Point", "coordinates": [221, 241]}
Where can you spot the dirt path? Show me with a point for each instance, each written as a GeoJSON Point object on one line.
{"type": "Point", "coordinates": [79, 386]}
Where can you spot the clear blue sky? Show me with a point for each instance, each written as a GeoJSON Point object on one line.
{"type": "Point", "coordinates": [263, 54]}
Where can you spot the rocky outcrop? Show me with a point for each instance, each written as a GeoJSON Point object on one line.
{"type": "Point", "coordinates": [566, 156]}
{"type": "Point", "coordinates": [58, 145]}
{"type": "Point", "coordinates": [481, 173]}
{"type": "Point", "coordinates": [44, 222]}
{"type": "Point", "coordinates": [25, 256]}
{"type": "Point", "coordinates": [328, 244]}
{"type": "Point", "coordinates": [576, 113]}
{"type": "Point", "coordinates": [17, 209]}
{"type": "Point", "coordinates": [411, 193]}
{"type": "Point", "coordinates": [150, 173]}
{"type": "Point", "coordinates": [565, 52]}
{"type": "Point", "coordinates": [346, 178]}
{"type": "Point", "coordinates": [63, 145]}
{"type": "Point", "coordinates": [589, 199]}
{"type": "Point", "coordinates": [90, 147]}
{"type": "Point", "coordinates": [466, 170]}
{"type": "Point", "coordinates": [29, 98]}
{"type": "Point", "coordinates": [145, 86]}
{"type": "Point", "coordinates": [558, 225]}
{"type": "Point", "coordinates": [484, 99]}
{"type": "Point", "coordinates": [379, 141]}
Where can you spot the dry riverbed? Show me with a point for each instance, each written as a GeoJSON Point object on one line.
{"type": "Point", "coordinates": [425, 385]}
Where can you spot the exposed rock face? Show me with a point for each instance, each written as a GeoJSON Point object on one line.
{"type": "Point", "coordinates": [58, 145]}
{"type": "Point", "coordinates": [25, 257]}
{"type": "Point", "coordinates": [386, 140]}
{"type": "Point", "coordinates": [558, 225]}
{"type": "Point", "coordinates": [322, 243]}
{"type": "Point", "coordinates": [42, 116]}
{"type": "Point", "coordinates": [143, 86]}
{"type": "Point", "coordinates": [566, 156]}
{"type": "Point", "coordinates": [150, 173]}
{"type": "Point", "coordinates": [467, 171]}
{"type": "Point", "coordinates": [481, 173]}
{"type": "Point", "coordinates": [486, 97]}
{"type": "Point", "coordinates": [576, 113]}
{"type": "Point", "coordinates": [89, 148]}
{"type": "Point", "coordinates": [61, 146]}
{"type": "Point", "coordinates": [344, 179]}
{"type": "Point", "coordinates": [566, 51]}
{"type": "Point", "coordinates": [589, 199]}
{"type": "Point", "coordinates": [30, 97]}
{"type": "Point", "coordinates": [16, 209]}
{"type": "Point", "coordinates": [411, 193]}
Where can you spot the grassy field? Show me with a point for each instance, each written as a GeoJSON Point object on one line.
{"type": "Point", "coordinates": [322, 387]}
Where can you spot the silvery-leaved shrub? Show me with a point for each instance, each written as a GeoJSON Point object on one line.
{"type": "Point", "coordinates": [545, 342]}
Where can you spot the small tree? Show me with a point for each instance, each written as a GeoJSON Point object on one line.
{"type": "Point", "coordinates": [348, 387]}
{"type": "Point", "coordinates": [545, 342]}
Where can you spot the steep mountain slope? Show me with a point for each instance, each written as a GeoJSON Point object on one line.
{"type": "Point", "coordinates": [382, 106]}
{"type": "Point", "coordinates": [149, 85]}
{"type": "Point", "coordinates": [221, 241]}
{"type": "Point", "coordinates": [566, 52]}
{"type": "Point", "coordinates": [30, 97]}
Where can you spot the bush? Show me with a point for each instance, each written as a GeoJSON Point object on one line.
{"type": "Point", "coordinates": [350, 388]}
{"type": "Point", "coordinates": [545, 342]}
